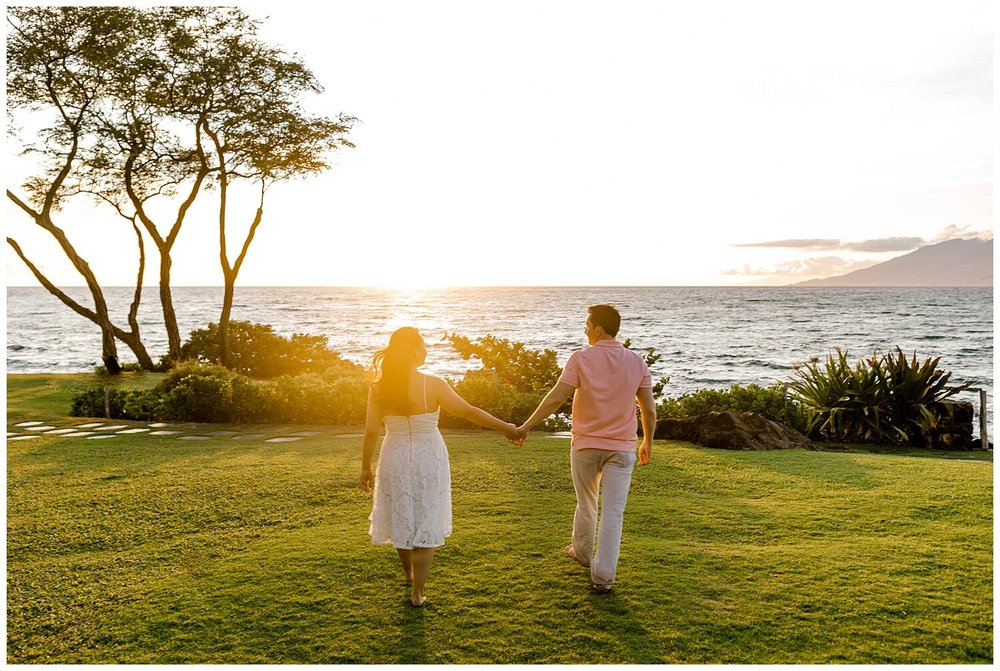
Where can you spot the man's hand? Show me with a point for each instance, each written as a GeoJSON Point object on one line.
{"type": "Point", "coordinates": [645, 452]}
{"type": "Point", "coordinates": [366, 481]}
{"type": "Point", "coordinates": [522, 435]}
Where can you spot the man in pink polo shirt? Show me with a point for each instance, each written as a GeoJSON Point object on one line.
{"type": "Point", "coordinates": [608, 380]}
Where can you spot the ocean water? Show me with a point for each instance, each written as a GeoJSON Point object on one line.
{"type": "Point", "coordinates": [708, 336]}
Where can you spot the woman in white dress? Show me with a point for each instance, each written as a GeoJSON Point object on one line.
{"type": "Point", "coordinates": [412, 499]}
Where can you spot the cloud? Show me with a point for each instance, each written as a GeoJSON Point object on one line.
{"type": "Point", "coordinates": [954, 232]}
{"type": "Point", "coordinates": [803, 269]}
{"type": "Point", "coordinates": [795, 244]}
{"type": "Point", "coordinates": [884, 245]}
{"type": "Point", "coordinates": [878, 245]}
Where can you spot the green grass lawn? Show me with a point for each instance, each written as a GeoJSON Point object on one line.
{"type": "Point", "coordinates": [145, 549]}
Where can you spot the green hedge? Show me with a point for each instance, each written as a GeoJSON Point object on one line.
{"type": "Point", "coordinates": [205, 393]}
{"type": "Point", "coordinates": [770, 402]}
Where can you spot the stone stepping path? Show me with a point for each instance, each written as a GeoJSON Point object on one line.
{"type": "Point", "coordinates": [105, 431]}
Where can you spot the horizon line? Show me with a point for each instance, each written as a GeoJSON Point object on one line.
{"type": "Point", "coordinates": [796, 285]}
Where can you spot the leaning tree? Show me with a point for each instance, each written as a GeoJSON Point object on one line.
{"type": "Point", "coordinates": [153, 105]}
{"type": "Point", "coordinates": [59, 65]}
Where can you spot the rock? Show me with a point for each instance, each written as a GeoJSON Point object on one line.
{"type": "Point", "coordinates": [731, 430]}
{"type": "Point", "coordinates": [953, 430]}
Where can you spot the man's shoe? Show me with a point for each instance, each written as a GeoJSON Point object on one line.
{"type": "Point", "coordinates": [602, 589]}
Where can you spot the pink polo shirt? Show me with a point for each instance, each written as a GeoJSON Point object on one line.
{"type": "Point", "coordinates": [607, 378]}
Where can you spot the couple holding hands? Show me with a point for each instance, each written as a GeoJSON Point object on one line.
{"type": "Point", "coordinates": [412, 482]}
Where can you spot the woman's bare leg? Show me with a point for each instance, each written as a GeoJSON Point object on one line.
{"type": "Point", "coordinates": [406, 557]}
{"type": "Point", "coordinates": [421, 563]}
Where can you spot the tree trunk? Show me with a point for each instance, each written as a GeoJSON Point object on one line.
{"type": "Point", "coordinates": [135, 344]}
{"type": "Point", "coordinates": [225, 357]}
{"type": "Point", "coordinates": [100, 313]}
{"type": "Point", "coordinates": [167, 302]}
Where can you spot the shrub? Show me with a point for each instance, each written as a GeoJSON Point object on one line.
{"type": "Point", "coordinates": [511, 362]}
{"type": "Point", "coordinates": [196, 394]}
{"type": "Point", "coordinates": [770, 402]}
{"type": "Point", "coordinates": [201, 393]}
{"type": "Point", "coordinates": [485, 390]}
{"type": "Point", "coordinates": [319, 399]}
{"type": "Point", "coordinates": [886, 398]}
{"type": "Point", "coordinates": [257, 351]}
{"type": "Point", "coordinates": [89, 402]}
{"type": "Point", "coordinates": [513, 379]}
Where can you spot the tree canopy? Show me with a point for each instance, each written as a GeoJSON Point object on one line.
{"type": "Point", "coordinates": [157, 104]}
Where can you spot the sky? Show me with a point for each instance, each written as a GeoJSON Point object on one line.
{"type": "Point", "coordinates": [602, 143]}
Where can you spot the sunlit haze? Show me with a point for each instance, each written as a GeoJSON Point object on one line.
{"type": "Point", "coordinates": [584, 143]}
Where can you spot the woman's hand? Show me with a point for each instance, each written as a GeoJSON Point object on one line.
{"type": "Point", "coordinates": [366, 480]}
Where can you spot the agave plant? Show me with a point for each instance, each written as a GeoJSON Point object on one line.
{"type": "Point", "coordinates": [912, 388]}
{"type": "Point", "coordinates": [869, 403]}
{"type": "Point", "coordinates": [826, 393]}
{"type": "Point", "coordinates": [885, 398]}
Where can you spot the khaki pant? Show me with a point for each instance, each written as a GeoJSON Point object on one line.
{"type": "Point", "coordinates": [590, 469]}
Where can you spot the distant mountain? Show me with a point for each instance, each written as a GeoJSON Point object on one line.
{"type": "Point", "coordinates": [952, 263]}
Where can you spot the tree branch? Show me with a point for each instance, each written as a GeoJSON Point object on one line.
{"type": "Point", "coordinates": [21, 204]}
{"type": "Point", "coordinates": [133, 311]}
{"type": "Point", "coordinates": [137, 203]}
{"type": "Point", "coordinates": [253, 229]}
{"type": "Point", "coordinates": [202, 173]}
{"type": "Point", "coordinates": [223, 189]}
{"type": "Point", "coordinates": [53, 289]}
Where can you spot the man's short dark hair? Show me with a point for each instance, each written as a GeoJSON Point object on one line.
{"type": "Point", "coordinates": [605, 316]}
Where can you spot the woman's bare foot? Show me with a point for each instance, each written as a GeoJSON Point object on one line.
{"type": "Point", "coordinates": [417, 601]}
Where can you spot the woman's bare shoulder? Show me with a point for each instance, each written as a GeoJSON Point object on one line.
{"type": "Point", "coordinates": [434, 381]}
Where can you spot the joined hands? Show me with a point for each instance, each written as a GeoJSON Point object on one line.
{"type": "Point", "coordinates": [515, 435]}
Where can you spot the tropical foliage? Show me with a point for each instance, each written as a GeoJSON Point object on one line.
{"type": "Point", "coordinates": [885, 398]}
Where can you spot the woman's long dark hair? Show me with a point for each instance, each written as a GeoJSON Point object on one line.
{"type": "Point", "coordinates": [391, 368]}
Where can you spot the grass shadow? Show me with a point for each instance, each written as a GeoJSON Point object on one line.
{"type": "Point", "coordinates": [413, 637]}
{"type": "Point", "coordinates": [614, 614]}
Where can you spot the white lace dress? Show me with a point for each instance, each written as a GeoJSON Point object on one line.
{"type": "Point", "coordinates": [412, 499]}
